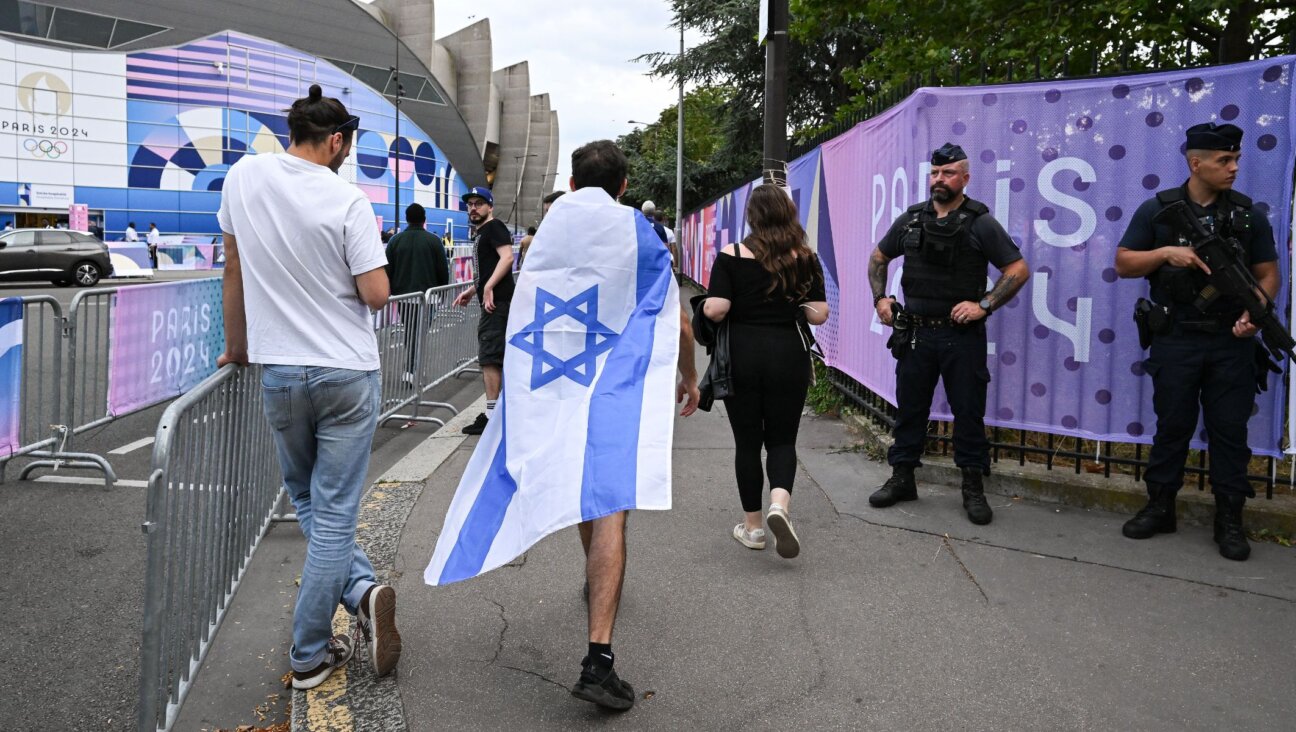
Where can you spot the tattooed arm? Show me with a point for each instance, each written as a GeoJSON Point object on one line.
{"type": "Point", "coordinates": [877, 276]}
{"type": "Point", "coordinates": [1011, 279]}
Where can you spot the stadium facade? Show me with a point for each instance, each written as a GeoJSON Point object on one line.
{"type": "Point", "coordinates": [136, 110]}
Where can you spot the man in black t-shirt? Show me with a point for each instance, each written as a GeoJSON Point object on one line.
{"type": "Point", "coordinates": [1205, 350]}
{"type": "Point", "coordinates": [946, 243]}
{"type": "Point", "coordinates": [493, 270]}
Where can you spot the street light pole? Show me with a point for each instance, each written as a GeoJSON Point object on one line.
{"type": "Point", "coordinates": [776, 71]}
{"type": "Point", "coordinates": [400, 92]}
{"type": "Point", "coordinates": [679, 141]}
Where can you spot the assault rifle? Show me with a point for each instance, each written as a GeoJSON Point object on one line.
{"type": "Point", "coordinates": [1229, 276]}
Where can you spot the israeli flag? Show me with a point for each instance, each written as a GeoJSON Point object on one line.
{"type": "Point", "coordinates": [584, 426]}
{"type": "Point", "coordinates": [11, 333]}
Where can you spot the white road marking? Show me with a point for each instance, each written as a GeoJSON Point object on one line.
{"type": "Point", "coordinates": [132, 446]}
{"type": "Point", "coordinates": [75, 480]}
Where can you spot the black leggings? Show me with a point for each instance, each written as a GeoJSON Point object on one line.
{"type": "Point", "coordinates": [771, 373]}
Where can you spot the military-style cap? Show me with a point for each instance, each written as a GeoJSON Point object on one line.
{"type": "Point", "coordinates": [1210, 136]}
{"type": "Point", "coordinates": [947, 153]}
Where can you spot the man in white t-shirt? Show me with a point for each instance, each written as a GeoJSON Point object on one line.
{"type": "Point", "coordinates": [131, 234]}
{"type": "Point", "coordinates": [153, 237]}
{"type": "Point", "coordinates": [304, 269]}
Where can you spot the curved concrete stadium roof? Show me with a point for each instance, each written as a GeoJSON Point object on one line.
{"type": "Point", "coordinates": [340, 29]}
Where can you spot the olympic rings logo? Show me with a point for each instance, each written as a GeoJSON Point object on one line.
{"type": "Point", "coordinates": [52, 149]}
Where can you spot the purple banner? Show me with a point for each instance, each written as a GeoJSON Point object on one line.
{"type": "Point", "coordinates": [1062, 165]}
{"type": "Point", "coordinates": [165, 340]}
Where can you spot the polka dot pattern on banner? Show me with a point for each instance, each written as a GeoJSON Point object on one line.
{"type": "Point", "coordinates": [1080, 184]}
{"type": "Point", "coordinates": [1229, 112]}
{"type": "Point", "coordinates": [1070, 364]}
{"type": "Point", "coordinates": [1154, 119]}
{"type": "Point", "coordinates": [1047, 213]}
{"type": "Point", "coordinates": [1114, 213]}
{"type": "Point", "coordinates": [1072, 303]}
{"type": "Point", "coordinates": [1273, 73]}
{"type": "Point", "coordinates": [1040, 332]}
{"type": "Point", "coordinates": [930, 100]}
{"type": "Point", "coordinates": [990, 99]}
{"type": "Point", "coordinates": [1194, 85]}
{"type": "Point", "coordinates": [1151, 181]}
{"type": "Point", "coordinates": [987, 156]}
{"type": "Point", "coordinates": [1017, 185]}
{"type": "Point", "coordinates": [1116, 152]}
{"type": "Point", "coordinates": [1109, 275]}
{"type": "Point", "coordinates": [1049, 154]}
{"type": "Point", "coordinates": [1070, 422]}
{"type": "Point", "coordinates": [1052, 96]}
{"type": "Point", "coordinates": [1005, 413]}
{"type": "Point", "coordinates": [1134, 428]}
{"type": "Point", "coordinates": [1267, 142]}
{"type": "Point", "coordinates": [1138, 369]}
{"type": "Point", "coordinates": [1038, 389]}
{"type": "Point", "coordinates": [959, 128]}
{"type": "Point", "coordinates": [1008, 358]}
{"type": "Point", "coordinates": [1019, 126]}
{"type": "Point", "coordinates": [1103, 397]}
{"type": "Point", "coordinates": [1106, 335]}
{"type": "Point", "coordinates": [1120, 91]}
{"type": "Point", "coordinates": [1084, 123]}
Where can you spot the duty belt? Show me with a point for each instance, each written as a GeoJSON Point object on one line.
{"type": "Point", "coordinates": [1205, 324]}
{"type": "Point", "coordinates": [922, 321]}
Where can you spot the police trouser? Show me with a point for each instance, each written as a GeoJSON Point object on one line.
{"type": "Point", "coordinates": [1216, 370]}
{"type": "Point", "coordinates": [956, 355]}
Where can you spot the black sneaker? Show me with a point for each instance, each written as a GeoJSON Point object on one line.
{"type": "Point", "coordinates": [478, 427]}
{"type": "Point", "coordinates": [601, 685]}
{"type": "Point", "coordinates": [377, 623]}
{"type": "Point", "coordinates": [339, 652]}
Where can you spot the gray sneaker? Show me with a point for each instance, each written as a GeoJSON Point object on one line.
{"type": "Point", "coordinates": [339, 652]}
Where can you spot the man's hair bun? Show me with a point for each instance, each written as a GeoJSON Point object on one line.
{"type": "Point", "coordinates": [316, 93]}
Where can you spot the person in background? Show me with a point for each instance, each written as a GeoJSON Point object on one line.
{"type": "Point", "coordinates": [493, 269]}
{"type": "Point", "coordinates": [650, 212]}
{"type": "Point", "coordinates": [130, 235]}
{"type": "Point", "coordinates": [524, 245]}
{"type": "Point", "coordinates": [8, 226]}
{"type": "Point", "coordinates": [154, 238]}
{"type": "Point", "coordinates": [416, 262]}
{"type": "Point", "coordinates": [764, 286]}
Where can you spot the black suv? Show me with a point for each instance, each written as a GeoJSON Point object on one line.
{"type": "Point", "coordinates": [58, 255]}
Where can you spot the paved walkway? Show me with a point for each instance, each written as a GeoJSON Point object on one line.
{"type": "Point", "coordinates": [905, 618]}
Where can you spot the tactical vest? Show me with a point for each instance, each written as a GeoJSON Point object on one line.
{"type": "Point", "coordinates": [941, 267]}
{"type": "Point", "coordinates": [1180, 285]}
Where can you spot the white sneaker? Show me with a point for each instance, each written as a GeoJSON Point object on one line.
{"type": "Point", "coordinates": [785, 539]}
{"type": "Point", "coordinates": [750, 539]}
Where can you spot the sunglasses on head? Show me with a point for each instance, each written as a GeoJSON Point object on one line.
{"type": "Point", "coordinates": [352, 123]}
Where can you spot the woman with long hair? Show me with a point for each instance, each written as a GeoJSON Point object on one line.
{"type": "Point", "coordinates": [764, 286]}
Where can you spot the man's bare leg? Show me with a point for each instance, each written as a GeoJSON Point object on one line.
{"type": "Point", "coordinates": [605, 561]}
{"type": "Point", "coordinates": [492, 378]}
{"type": "Point", "coordinates": [605, 570]}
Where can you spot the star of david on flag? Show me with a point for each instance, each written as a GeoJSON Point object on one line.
{"type": "Point", "coordinates": [549, 308]}
{"type": "Point", "coordinates": [585, 422]}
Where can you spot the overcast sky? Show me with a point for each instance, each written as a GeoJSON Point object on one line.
{"type": "Point", "coordinates": [580, 54]}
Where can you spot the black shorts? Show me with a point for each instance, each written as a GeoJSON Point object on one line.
{"type": "Point", "coordinates": [490, 336]}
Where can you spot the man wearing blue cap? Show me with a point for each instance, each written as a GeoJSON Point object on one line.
{"type": "Point", "coordinates": [940, 334]}
{"type": "Point", "coordinates": [493, 270]}
{"type": "Point", "coordinates": [1203, 349]}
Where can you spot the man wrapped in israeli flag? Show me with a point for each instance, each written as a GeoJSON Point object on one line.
{"type": "Point", "coordinates": [584, 427]}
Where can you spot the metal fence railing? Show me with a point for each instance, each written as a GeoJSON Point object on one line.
{"type": "Point", "coordinates": [41, 376]}
{"type": "Point", "coordinates": [212, 494]}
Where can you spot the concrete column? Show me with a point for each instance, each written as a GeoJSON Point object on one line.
{"type": "Point", "coordinates": [536, 167]}
{"type": "Point", "coordinates": [514, 84]}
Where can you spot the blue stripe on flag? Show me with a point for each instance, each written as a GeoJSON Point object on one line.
{"type": "Point", "coordinates": [612, 446]}
{"type": "Point", "coordinates": [485, 517]}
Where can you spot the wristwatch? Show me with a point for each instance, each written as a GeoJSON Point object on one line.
{"type": "Point", "coordinates": [877, 298]}
{"type": "Point", "coordinates": [985, 305]}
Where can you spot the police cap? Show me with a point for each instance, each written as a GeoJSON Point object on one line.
{"type": "Point", "coordinates": [1210, 136]}
{"type": "Point", "coordinates": [947, 153]}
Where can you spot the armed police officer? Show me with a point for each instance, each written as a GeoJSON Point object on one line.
{"type": "Point", "coordinates": [1202, 342]}
{"type": "Point", "coordinates": [940, 332]}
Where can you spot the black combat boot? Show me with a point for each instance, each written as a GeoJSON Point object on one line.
{"type": "Point", "coordinates": [974, 500]}
{"type": "Point", "coordinates": [1229, 533]}
{"type": "Point", "coordinates": [1157, 517]}
{"type": "Point", "coordinates": [899, 487]}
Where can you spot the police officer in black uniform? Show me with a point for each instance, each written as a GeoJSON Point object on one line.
{"type": "Point", "coordinates": [940, 333]}
{"type": "Point", "coordinates": [1200, 352]}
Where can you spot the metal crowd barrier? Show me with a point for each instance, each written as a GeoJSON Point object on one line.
{"type": "Point", "coordinates": [42, 371]}
{"type": "Point", "coordinates": [212, 495]}
{"type": "Point", "coordinates": [85, 404]}
{"type": "Point", "coordinates": [423, 339]}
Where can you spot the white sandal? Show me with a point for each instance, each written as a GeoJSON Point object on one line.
{"type": "Point", "coordinates": [751, 540]}
{"type": "Point", "coordinates": [785, 539]}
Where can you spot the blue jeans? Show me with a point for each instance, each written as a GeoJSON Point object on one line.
{"type": "Point", "coordinates": [324, 421]}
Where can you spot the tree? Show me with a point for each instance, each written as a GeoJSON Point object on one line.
{"type": "Point", "coordinates": [995, 38]}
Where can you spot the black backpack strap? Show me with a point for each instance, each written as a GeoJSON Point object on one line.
{"type": "Point", "coordinates": [1170, 195]}
{"type": "Point", "coordinates": [1239, 200]}
{"type": "Point", "coordinates": [974, 207]}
